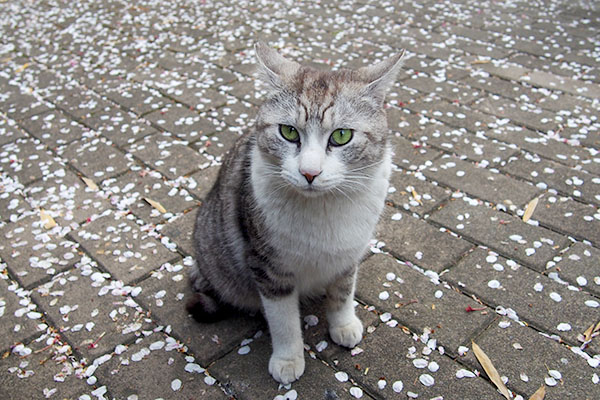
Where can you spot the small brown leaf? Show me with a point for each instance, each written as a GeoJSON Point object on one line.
{"type": "Point", "coordinates": [530, 209]}
{"type": "Point", "coordinates": [490, 370]}
{"type": "Point", "coordinates": [539, 394]}
{"type": "Point", "coordinates": [416, 197]}
{"type": "Point", "coordinates": [90, 183]}
{"type": "Point", "coordinates": [47, 219]}
{"type": "Point", "coordinates": [21, 68]}
{"type": "Point", "coordinates": [156, 205]}
{"type": "Point", "coordinates": [479, 61]}
{"type": "Point", "coordinates": [587, 335]}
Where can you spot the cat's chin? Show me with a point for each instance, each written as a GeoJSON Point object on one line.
{"type": "Point", "coordinates": [311, 191]}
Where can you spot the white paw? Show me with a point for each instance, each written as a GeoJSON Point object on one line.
{"type": "Point", "coordinates": [286, 369]}
{"type": "Point", "coordinates": [349, 334]}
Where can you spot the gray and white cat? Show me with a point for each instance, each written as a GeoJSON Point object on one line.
{"type": "Point", "coordinates": [296, 203]}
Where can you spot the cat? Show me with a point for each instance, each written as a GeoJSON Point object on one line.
{"type": "Point", "coordinates": [295, 204]}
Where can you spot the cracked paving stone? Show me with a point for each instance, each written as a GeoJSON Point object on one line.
{"type": "Point", "coordinates": [526, 358]}
{"type": "Point", "coordinates": [534, 246]}
{"type": "Point", "coordinates": [420, 302]}
{"type": "Point", "coordinates": [165, 293]}
{"type": "Point", "coordinates": [414, 367]}
{"type": "Point", "coordinates": [156, 360]}
{"type": "Point", "coordinates": [170, 156]}
{"type": "Point", "coordinates": [215, 146]}
{"type": "Point", "coordinates": [41, 368]}
{"type": "Point", "coordinates": [135, 97]}
{"type": "Point", "coordinates": [28, 160]}
{"type": "Point", "coordinates": [416, 241]}
{"type": "Point", "coordinates": [579, 266]}
{"type": "Point", "coordinates": [410, 155]}
{"type": "Point", "coordinates": [546, 174]}
{"type": "Point", "coordinates": [480, 182]}
{"type": "Point", "coordinates": [247, 376]}
{"type": "Point", "coordinates": [96, 158]}
{"type": "Point", "coordinates": [414, 194]}
{"type": "Point", "coordinates": [34, 253]}
{"type": "Point", "coordinates": [93, 312]}
{"type": "Point", "coordinates": [79, 102]}
{"type": "Point", "coordinates": [120, 127]}
{"type": "Point", "coordinates": [566, 215]}
{"type": "Point", "coordinates": [180, 231]}
{"type": "Point", "coordinates": [200, 183]}
{"type": "Point", "coordinates": [130, 191]}
{"type": "Point", "coordinates": [124, 248]}
{"type": "Point", "coordinates": [55, 128]}
{"type": "Point", "coordinates": [535, 298]}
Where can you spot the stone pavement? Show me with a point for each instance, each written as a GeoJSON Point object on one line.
{"type": "Point", "coordinates": [114, 116]}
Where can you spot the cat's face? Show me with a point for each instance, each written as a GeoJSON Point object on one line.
{"type": "Point", "coordinates": [322, 132]}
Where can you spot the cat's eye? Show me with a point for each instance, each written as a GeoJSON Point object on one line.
{"type": "Point", "coordinates": [289, 133]}
{"type": "Point", "coordinates": [340, 137]}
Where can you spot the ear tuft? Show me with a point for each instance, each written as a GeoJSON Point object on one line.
{"type": "Point", "coordinates": [273, 69]}
{"type": "Point", "coordinates": [381, 76]}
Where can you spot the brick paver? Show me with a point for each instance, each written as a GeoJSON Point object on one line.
{"type": "Point", "coordinates": [115, 116]}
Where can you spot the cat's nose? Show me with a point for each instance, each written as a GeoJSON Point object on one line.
{"type": "Point", "coordinates": [310, 175]}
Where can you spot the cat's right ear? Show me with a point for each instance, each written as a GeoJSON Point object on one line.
{"type": "Point", "coordinates": [273, 69]}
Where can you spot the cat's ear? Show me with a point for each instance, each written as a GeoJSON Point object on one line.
{"type": "Point", "coordinates": [273, 69]}
{"type": "Point", "coordinates": [381, 76]}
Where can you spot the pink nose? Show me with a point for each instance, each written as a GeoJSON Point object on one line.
{"type": "Point", "coordinates": [310, 175]}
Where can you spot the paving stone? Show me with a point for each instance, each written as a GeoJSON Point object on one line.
{"type": "Point", "coordinates": [96, 158]}
{"type": "Point", "coordinates": [464, 144]}
{"type": "Point", "coordinates": [420, 302]}
{"type": "Point", "coordinates": [179, 376]}
{"type": "Point", "coordinates": [92, 312]}
{"type": "Point", "coordinates": [78, 102]}
{"type": "Point", "coordinates": [130, 191]}
{"type": "Point", "coordinates": [34, 253]}
{"type": "Point", "coordinates": [416, 241]}
{"type": "Point", "coordinates": [28, 160]}
{"type": "Point", "coordinates": [536, 299]}
{"type": "Point", "coordinates": [544, 147]}
{"type": "Point", "coordinates": [410, 155]}
{"type": "Point", "coordinates": [534, 247]}
{"type": "Point", "coordinates": [525, 357]}
{"type": "Point", "coordinates": [12, 201]}
{"type": "Point", "coordinates": [413, 193]}
{"type": "Point", "coordinates": [135, 97]}
{"type": "Point", "coordinates": [41, 368]}
{"type": "Point", "coordinates": [170, 156]}
{"type": "Point", "coordinates": [523, 114]}
{"type": "Point", "coordinates": [180, 121]}
{"type": "Point", "coordinates": [453, 114]}
{"type": "Point", "coordinates": [235, 115]}
{"type": "Point", "coordinates": [120, 127]}
{"type": "Point", "coordinates": [18, 105]}
{"type": "Point", "coordinates": [180, 231]}
{"type": "Point", "coordinates": [448, 90]}
{"type": "Point", "coordinates": [566, 215]}
{"type": "Point", "coordinates": [9, 131]}
{"type": "Point", "coordinates": [551, 81]}
{"type": "Point", "coordinates": [547, 174]}
{"type": "Point", "coordinates": [66, 197]}
{"type": "Point", "coordinates": [215, 146]}
{"type": "Point", "coordinates": [165, 294]}
{"type": "Point", "coordinates": [200, 183]}
{"type": "Point", "coordinates": [55, 129]}
{"type": "Point", "coordinates": [480, 182]}
{"type": "Point", "coordinates": [196, 96]}
{"type": "Point", "coordinates": [503, 87]}
{"type": "Point", "coordinates": [578, 266]}
{"type": "Point", "coordinates": [399, 370]}
{"type": "Point", "coordinates": [247, 376]}
{"type": "Point", "coordinates": [15, 325]}
{"type": "Point", "coordinates": [122, 247]}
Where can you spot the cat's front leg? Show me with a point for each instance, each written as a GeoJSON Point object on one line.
{"type": "Point", "coordinates": [345, 328]}
{"type": "Point", "coordinates": [283, 316]}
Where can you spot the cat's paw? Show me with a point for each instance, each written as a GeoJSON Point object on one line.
{"type": "Point", "coordinates": [348, 334]}
{"type": "Point", "coordinates": [286, 369]}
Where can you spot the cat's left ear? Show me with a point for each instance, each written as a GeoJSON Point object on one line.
{"type": "Point", "coordinates": [273, 69]}
{"type": "Point", "coordinates": [381, 76]}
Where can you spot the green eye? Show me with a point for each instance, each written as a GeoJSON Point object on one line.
{"type": "Point", "coordinates": [289, 133]}
{"type": "Point", "coordinates": [340, 137]}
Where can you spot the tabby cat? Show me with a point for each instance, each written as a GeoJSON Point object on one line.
{"type": "Point", "coordinates": [296, 203]}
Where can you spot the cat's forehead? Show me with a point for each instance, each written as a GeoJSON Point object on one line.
{"type": "Point", "coordinates": [316, 84]}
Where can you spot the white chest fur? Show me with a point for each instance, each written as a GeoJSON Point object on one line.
{"type": "Point", "coordinates": [319, 237]}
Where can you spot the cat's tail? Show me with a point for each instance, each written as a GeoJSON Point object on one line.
{"type": "Point", "coordinates": [203, 305]}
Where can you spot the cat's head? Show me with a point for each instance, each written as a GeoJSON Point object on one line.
{"type": "Point", "coordinates": [322, 131]}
